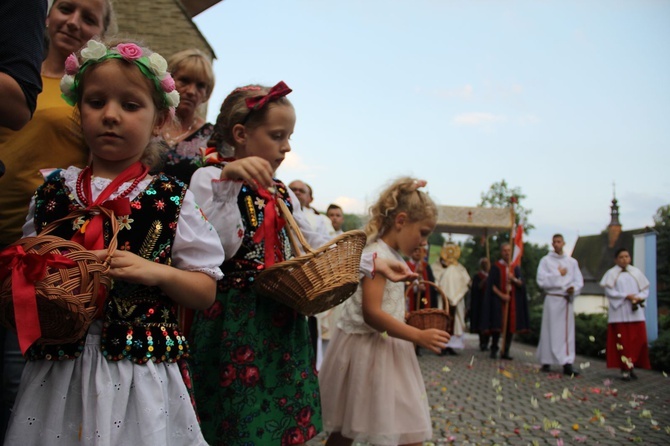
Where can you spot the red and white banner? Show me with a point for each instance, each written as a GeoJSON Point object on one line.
{"type": "Point", "coordinates": [517, 246]}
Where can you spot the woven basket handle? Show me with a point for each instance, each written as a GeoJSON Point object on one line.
{"type": "Point", "coordinates": [294, 231]}
{"type": "Point", "coordinates": [83, 212]}
{"type": "Point", "coordinates": [434, 285]}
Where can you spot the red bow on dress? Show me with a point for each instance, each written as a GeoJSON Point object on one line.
{"type": "Point", "coordinates": [90, 236]}
{"type": "Point", "coordinates": [269, 231]}
{"type": "Point", "coordinates": [26, 269]}
{"type": "Point", "coordinates": [278, 91]}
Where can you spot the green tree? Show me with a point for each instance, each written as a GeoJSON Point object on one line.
{"type": "Point", "coordinates": [500, 194]}
{"type": "Point", "coordinates": [436, 239]}
{"type": "Point", "coordinates": [662, 227]}
{"type": "Point", "coordinates": [351, 222]}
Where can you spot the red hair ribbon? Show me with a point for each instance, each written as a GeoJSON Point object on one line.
{"type": "Point", "coordinates": [26, 269]}
{"type": "Point", "coordinates": [210, 156]}
{"type": "Point", "coordinates": [278, 91]}
{"type": "Point", "coordinates": [269, 231]}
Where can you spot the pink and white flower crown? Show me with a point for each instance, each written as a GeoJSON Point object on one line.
{"type": "Point", "coordinates": [153, 66]}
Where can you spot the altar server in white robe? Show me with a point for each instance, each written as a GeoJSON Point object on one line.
{"type": "Point", "coordinates": [559, 277]}
{"type": "Point", "coordinates": [627, 289]}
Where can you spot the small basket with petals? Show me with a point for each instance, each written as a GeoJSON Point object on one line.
{"type": "Point", "coordinates": [51, 285]}
{"type": "Point", "coordinates": [431, 317]}
{"type": "Point", "coordinates": [319, 279]}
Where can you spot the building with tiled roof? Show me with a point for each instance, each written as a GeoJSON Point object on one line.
{"type": "Point", "coordinates": [595, 253]}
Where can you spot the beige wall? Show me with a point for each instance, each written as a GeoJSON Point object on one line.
{"type": "Point", "coordinates": [163, 25]}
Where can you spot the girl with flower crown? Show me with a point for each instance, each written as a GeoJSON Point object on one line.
{"type": "Point", "coordinates": [125, 382]}
{"type": "Point", "coordinates": [52, 138]}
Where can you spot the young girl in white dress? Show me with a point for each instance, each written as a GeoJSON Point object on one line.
{"type": "Point", "coordinates": [125, 382]}
{"type": "Point", "coordinates": [371, 385]}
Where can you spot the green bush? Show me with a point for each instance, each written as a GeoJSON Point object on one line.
{"type": "Point", "coordinates": [533, 336]}
{"type": "Point", "coordinates": [587, 326]}
{"type": "Point", "coordinates": [664, 323]}
{"type": "Point", "coordinates": [659, 353]}
{"type": "Point", "coordinates": [594, 326]}
{"type": "Point", "coordinates": [591, 334]}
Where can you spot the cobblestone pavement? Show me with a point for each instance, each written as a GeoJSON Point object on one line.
{"type": "Point", "coordinates": [476, 400]}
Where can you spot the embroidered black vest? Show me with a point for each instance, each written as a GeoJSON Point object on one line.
{"type": "Point", "coordinates": [139, 322]}
{"type": "Point", "coordinates": [240, 271]}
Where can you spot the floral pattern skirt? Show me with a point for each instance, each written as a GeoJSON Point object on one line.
{"type": "Point", "coordinates": [253, 372]}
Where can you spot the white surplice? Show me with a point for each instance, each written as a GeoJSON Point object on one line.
{"type": "Point", "coordinates": [618, 284]}
{"type": "Point", "coordinates": [557, 336]}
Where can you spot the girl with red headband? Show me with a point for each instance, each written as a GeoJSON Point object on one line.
{"type": "Point", "coordinates": [255, 380]}
{"type": "Point", "coordinates": [125, 381]}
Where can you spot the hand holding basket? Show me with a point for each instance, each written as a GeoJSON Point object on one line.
{"type": "Point", "coordinates": [317, 280]}
{"type": "Point", "coordinates": [49, 286]}
{"type": "Point", "coordinates": [431, 317]}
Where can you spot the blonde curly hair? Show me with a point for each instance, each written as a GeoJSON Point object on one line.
{"type": "Point", "coordinates": [403, 195]}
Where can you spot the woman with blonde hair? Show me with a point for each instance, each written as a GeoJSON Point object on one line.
{"type": "Point", "coordinates": [194, 80]}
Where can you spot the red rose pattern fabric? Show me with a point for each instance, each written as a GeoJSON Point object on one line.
{"type": "Point", "coordinates": [253, 372]}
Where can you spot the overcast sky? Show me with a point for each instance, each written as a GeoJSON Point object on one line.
{"type": "Point", "coordinates": [560, 98]}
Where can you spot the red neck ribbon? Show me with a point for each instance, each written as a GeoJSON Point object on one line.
{"type": "Point", "coordinates": [90, 235]}
{"type": "Point", "coordinates": [26, 269]}
{"type": "Point", "coordinates": [269, 231]}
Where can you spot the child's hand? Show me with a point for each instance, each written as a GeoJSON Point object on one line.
{"type": "Point", "coordinates": [125, 265]}
{"type": "Point", "coordinates": [394, 270]}
{"type": "Point", "coordinates": [251, 169]}
{"type": "Point", "coordinates": [193, 289]}
{"type": "Point", "coordinates": [433, 339]}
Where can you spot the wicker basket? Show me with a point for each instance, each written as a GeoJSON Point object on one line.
{"type": "Point", "coordinates": [318, 280]}
{"type": "Point", "coordinates": [66, 297]}
{"type": "Point", "coordinates": [431, 317]}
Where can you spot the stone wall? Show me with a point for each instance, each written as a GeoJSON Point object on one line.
{"type": "Point", "coordinates": [163, 25]}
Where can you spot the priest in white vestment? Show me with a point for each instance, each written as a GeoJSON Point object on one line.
{"type": "Point", "coordinates": [454, 280]}
{"type": "Point", "coordinates": [627, 289]}
{"type": "Point", "coordinates": [561, 280]}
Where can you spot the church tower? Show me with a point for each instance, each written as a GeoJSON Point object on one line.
{"type": "Point", "coordinates": [614, 228]}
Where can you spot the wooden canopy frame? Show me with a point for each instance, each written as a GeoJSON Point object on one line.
{"type": "Point", "coordinates": [474, 221]}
